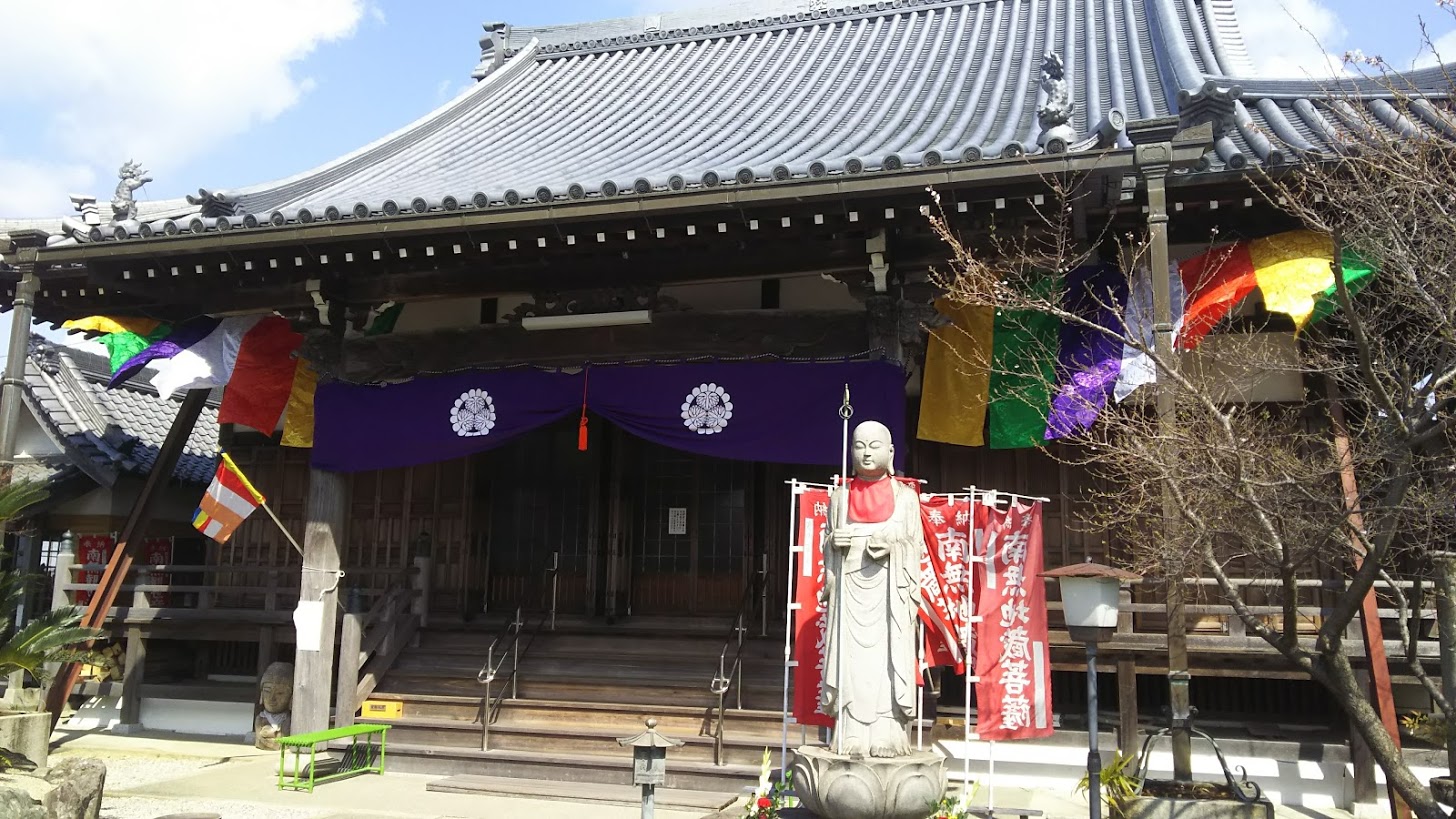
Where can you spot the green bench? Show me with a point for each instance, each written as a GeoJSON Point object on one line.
{"type": "Point", "coordinates": [358, 757]}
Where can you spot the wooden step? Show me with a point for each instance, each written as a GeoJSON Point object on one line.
{"type": "Point", "coordinates": [625, 795]}
{"type": "Point", "coordinates": [599, 645]}
{"type": "Point", "coordinates": [682, 774]}
{"type": "Point", "coordinates": [746, 724]}
{"type": "Point", "coordinates": [545, 687]}
{"type": "Point", "coordinates": [574, 740]}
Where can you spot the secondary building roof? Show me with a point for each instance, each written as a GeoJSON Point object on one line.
{"type": "Point", "coordinates": [760, 92]}
{"type": "Point", "coordinates": [103, 433]}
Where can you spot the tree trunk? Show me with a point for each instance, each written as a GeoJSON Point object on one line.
{"type": "Point", "coordinates": [1341, 680]}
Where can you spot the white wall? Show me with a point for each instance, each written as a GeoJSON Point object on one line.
{"type": "Point", "coordinates": [31, 439]}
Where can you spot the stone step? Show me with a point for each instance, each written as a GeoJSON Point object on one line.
{"type": "Point", "coordinates": [625, 795]}
{"type": "Point", "coordinates": [682, 774]}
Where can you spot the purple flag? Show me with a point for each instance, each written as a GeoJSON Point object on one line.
{"type": "Point", "coordinates": [773, 411]}
{"type": "Point", "coordinates": [1088, 360]}
{"type": "Point", "coordinates": [428, 420]}
{"type": "Point", "coordinates": [184, 335]}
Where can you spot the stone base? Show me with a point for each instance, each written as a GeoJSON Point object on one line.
{"type": "Point", "coordinates": [1444, 789]}
{"type": "Point", "coordinates": [840, 787]}
{"type": "Point", "coordinates": [28, 734]}
{"type": "Point", "coordinates": [1161, 807]}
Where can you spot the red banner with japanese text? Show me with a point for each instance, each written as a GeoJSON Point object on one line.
{"type": "Point", "coordinates": [810, 623]}
{"type": "Point", "coordinates": [1013, 694]}
{"type": "Point", "coordinates": [156, 551]}
{"type": "Point", "coordinates": [91, 550]}
{"type": "Point", "coordinates": [943, 579]}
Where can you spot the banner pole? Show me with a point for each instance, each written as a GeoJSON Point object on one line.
{"type": "Point", "coordinates": [970, 661]}
{"type": "Point", "coordinates": [789, 621]}
{"type": "Point", "coordinates": [281, 527]}
{"type": "Point", "coordinates": [920, 689]}
{"type": "Point", "coordinates": [846, 411]}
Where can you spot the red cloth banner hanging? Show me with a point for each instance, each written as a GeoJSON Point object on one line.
{"type": "Point", "coordinates": [1013, 695]}
{"type": "Point", "coordinates": [943, 566]}
{"type": "Point", "coordinates": [91, 550]}
{"type": "Point", "coordinates": [809, 621]}
{"type": "Point", "coordinates": [156, 551]}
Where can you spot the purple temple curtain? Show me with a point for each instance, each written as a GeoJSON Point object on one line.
{"type": "Point", "coordinates": [434, 419]}
{"type": "Point", "coordinates": [774, 411]}
{"type": "Point", "coordinates": [779, 412]}
{"type": "Point", "coordinates": [1088, 360]}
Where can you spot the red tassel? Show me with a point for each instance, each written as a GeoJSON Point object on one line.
{"type": "Point", "coordinates": [581, 434]}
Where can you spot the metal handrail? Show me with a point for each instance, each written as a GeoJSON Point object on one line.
{"type": "Point", "coordinates": [732, 677]}
{"type": "Point", "coordinates": [513, 629]}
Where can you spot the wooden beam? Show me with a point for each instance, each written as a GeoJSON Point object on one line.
{"type": "Point", "coordinates": [131, 680]}
{"type": "Point", "coordinates": [326, 517]}
{"type": "Point", "coordinates": [132, 535]}
{"type": "Point", "coordinates": [677, 334]}
{"type": "Point", "coordinates": [1370, 626]}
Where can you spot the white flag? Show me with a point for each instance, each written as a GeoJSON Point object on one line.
{"type": "Point", "coordinates": [209, 362]}
{"type": "Point", "coordinates": [1138, 367]}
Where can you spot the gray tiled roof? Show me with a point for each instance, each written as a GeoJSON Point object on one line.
{"type": "Point", "coordinates": [105, 433]}
{"type": "Point", "coordinates": [758, 93]}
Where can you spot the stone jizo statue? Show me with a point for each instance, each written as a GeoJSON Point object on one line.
{"type": "Point", "coordinates": [275, 694]}
{"type": "Point", "coordinates": [873, 562]}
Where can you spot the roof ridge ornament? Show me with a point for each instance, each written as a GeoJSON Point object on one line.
{"type": "Point", "coordinates": [1055, 114]}
{"type": "Point", "coordinates": [123, 203]}
{"type": "Point", "coordinates": [494, 45]}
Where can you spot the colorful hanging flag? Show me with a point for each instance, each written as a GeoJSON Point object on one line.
{"type": "Point", "coordinates": [124, 346]}
{"type": "Point", "coordinates": [228, 502]}
{"type": "Point", "coordinates": [209, 362]}
{"type": "Point", "coordinates": [1013, 663]}
{"type": "Point", "coordinates": [385, 321]}
{"type": "Point", "coordinates": [1292, 270]}
{"type": "Point", "coordinates": [182, 337]}
{"type": "Point", "coordinates": [957, 381]}
{"type": "Point", "coordinates": [262, 377]}
{"type": "Point", "coordinates": [1088, 360]}
{"type": "Point", "coordinates": [113, 324]}
{"type": "Point", "coordinates": [1023, 368]}
{"type": "Point", "coordinates": [1215, 282]}
{"type": "Point", "coordinates": [298, 415]}
{"type": "Point", "coordinates": [810, 622]}
{"type": "Point", "coordinates": [1357, 273]}
{"type": "Point", "coordinates": [1137, 367]}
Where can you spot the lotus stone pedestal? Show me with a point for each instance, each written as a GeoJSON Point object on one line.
{"type": "Point", "coordinates": [840, 787]}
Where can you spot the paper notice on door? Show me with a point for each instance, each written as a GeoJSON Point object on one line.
{"type": "Point", "coordinates": [308, 622]}
{"type": "Point", "coordinates": [677, 520]}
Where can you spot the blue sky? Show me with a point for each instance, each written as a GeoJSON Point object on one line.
{"type": "Point", "coordinates": [232, 94]}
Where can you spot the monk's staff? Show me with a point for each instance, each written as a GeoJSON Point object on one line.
{"type": "Point", "coordinates": [846, 411]}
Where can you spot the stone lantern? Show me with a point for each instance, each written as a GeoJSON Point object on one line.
{"type": "Point", "coordinates": [649, 762]}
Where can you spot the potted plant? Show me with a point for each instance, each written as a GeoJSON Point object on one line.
{"type": "Point", "coordinates": [52, 637]}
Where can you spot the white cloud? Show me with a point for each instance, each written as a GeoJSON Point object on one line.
{"type": "Point", "coordinates": [160, 84]}
{"type": "Point", "coordinates": [1441, 49]}
{"type": "Point", "coordinates": [1292, 38]}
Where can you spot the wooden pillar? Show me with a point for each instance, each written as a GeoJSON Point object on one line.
{"type": "Point", "coordinates": [1365, 790]}
{"type": "Point", "coordinates": [1127, 702]}
{"type": "Point", "coordinates": [131, 679]}
{"type": "Point", "coordinates": [323, 542]}
{"type": "Point", "coordinates": [346, 700]}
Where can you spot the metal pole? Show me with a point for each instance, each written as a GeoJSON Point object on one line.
{"type": "Point", "coordinates": [846, 411]}
{"type": "Point", "coordinates": [970, 675]}
{"type": "Point", "coordinates": [1445, 564]}
{"type": "Point", "coordinates": [647, 801]}
{"type": "Point", "coordinates": [920, 689]}
{"type": "Point", "coordinates": [1094, 757]}
{"type": "Point", "coordinates": [808, 555]}
{"type": "Point", "coordinates": [14, 379]}
{"type": "Point", "coordinates": [763, 594]}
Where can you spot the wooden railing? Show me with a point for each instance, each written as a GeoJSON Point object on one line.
{"type": "Point", "coordinates": [370, 642]}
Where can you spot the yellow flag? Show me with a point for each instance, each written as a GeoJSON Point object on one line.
{"type": "Point", "coordinates": [1292, 270]}
{"type": "Point", "coordinates": [957, 384]}
{"type": "Point", "coordinates": [114, 324]}
{"type": "Point", "coordinates": [298, 416]}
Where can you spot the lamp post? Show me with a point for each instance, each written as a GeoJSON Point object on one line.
{"type": "Point", "coordinates": [1090, 608]}
{"type": "Point", "coordinates": [649, 763]}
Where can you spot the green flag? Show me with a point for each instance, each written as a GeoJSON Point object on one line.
{"type": "Point", "coordinates": [1023, 371]}
{"type": "Point", "coordinates": [1358, 273]}
{"type": "Point", "coordinates": [124, 346]}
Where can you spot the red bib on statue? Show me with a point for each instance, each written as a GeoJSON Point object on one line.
{"type": "Point", "coordinates": [871, 501]}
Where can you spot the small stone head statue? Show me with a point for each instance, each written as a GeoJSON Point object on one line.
{"type": "Point", "coordinates": [872, 452]}
{"type": "Point", "coordinates": [275, 694]}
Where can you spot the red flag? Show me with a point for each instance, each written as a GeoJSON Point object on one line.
{"type": "Point", "coordinates": [157, 550]}
{"type": "Point", "coordinates": [1215, 282]}
{"type": "Point", "coordinates": [258, 391]}
{"type": "Point", "coordinates": [1013, 696]}
{"type": "Point", "coordinates": [91, 550]}
{"type": "Point", "coordinates": [943, 565]}
{"type": "Point", "coordinates": [809, 620]}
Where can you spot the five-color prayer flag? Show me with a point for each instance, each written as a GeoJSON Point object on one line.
{"type": "Point", "coordinates": [228, 502]}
